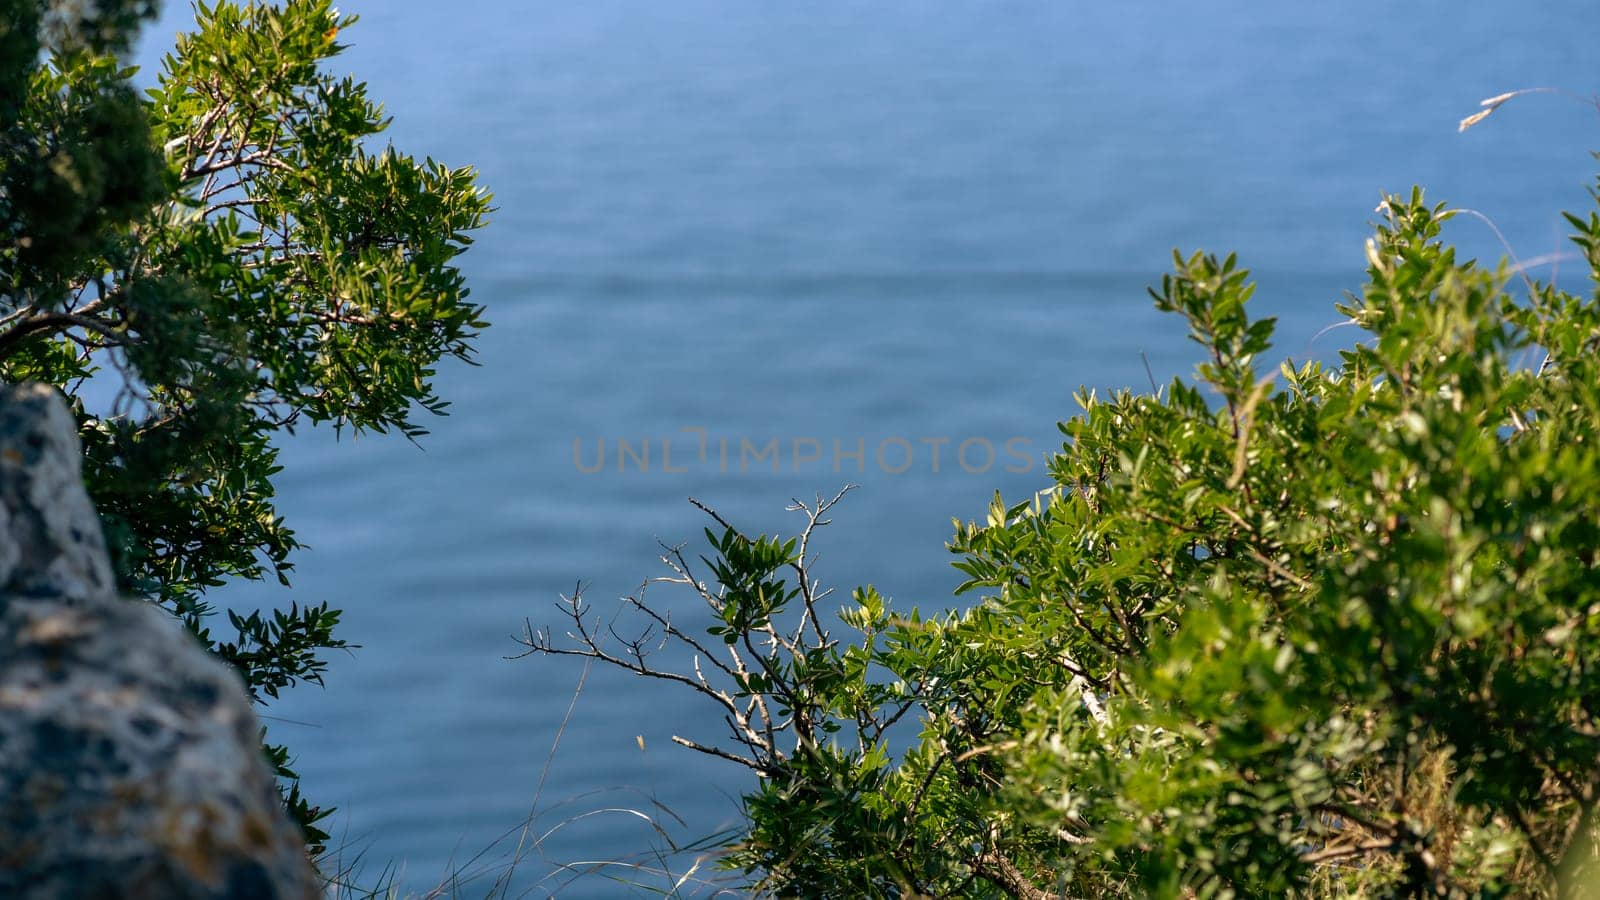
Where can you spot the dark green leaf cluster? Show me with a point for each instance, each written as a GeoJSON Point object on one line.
{"type": "Point", "coordinates": [228, 256]}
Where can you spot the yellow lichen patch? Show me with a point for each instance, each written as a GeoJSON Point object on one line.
{"type": "Point", "coordinates": [19, 696]}
{"type": "Point", "coordinates": [190, 837]}
{"type": "Point", "coordinates": [59, 627]}
{"type": "Point", "coordinates": [258, 833]}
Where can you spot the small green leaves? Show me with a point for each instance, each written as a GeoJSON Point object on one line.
{"type": "Point", "coordinates": [1330, 631]}
{"type": "Point", "coordinates": [746, 569]}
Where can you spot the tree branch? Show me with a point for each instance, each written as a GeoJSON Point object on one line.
{"type": "Point", "coordinates": [996, 867]}
{"type": "Point", "coordinates": [16, 334]}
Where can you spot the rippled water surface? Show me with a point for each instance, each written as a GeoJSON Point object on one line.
{"type": "Point", "coordinates": [840, 221]}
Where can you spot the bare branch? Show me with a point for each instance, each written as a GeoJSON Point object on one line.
{"type": "Point", "coordinates": [714, 751]}
{"type": "Point", "coordinates": [801, 564]}
{"type": "Point", "coordinates": [55, 322]}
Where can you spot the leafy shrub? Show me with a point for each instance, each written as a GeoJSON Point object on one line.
{"type": "Point", "coordinates": [1332, 630]}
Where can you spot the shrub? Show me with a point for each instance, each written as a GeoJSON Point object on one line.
{"type": "Point", "coordinates": [1330, 630]}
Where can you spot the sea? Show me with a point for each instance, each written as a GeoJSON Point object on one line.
{"type": "Point", "coordinates": [752, 252]}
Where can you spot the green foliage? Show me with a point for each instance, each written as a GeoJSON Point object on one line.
{"type": "Point", "coordinates": [1328, 631]}
{"type": "Point", "coordinates": [229, 252]}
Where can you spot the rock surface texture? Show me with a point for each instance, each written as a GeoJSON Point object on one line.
{"type": "Point", "coordinates": [130, 760]}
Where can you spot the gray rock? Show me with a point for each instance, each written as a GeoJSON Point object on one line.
{"type": "Point", "coordinates": [50, 541]}
{"type": "Point", "coordinates": [130, 760]}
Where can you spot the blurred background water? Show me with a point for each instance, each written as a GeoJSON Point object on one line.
{"type": "Point", "coordinates": [837, 221]}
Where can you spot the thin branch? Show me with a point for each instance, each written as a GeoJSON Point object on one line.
{"type": "Point", "coordinates": [54, 321]}
{"type": "Point", "coordinates": [801, 566]}
{"type": "Point", "coordinates": [922, 789]}
{"type": "Point", "coordinates": [1342, 851]}
{"type": "Point", "coordinates": [714, 751]}
{"type": "Point", "coordinates": [996, 867]}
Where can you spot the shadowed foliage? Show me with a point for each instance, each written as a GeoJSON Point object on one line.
{"type": "Point", "coordinates": [220, 259]}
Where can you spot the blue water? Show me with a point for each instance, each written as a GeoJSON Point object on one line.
{"type": "Point", "coordinates": [838, 221]}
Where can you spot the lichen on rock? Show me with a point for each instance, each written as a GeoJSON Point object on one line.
{"type": "Point", "coordinates": [130, 759]}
